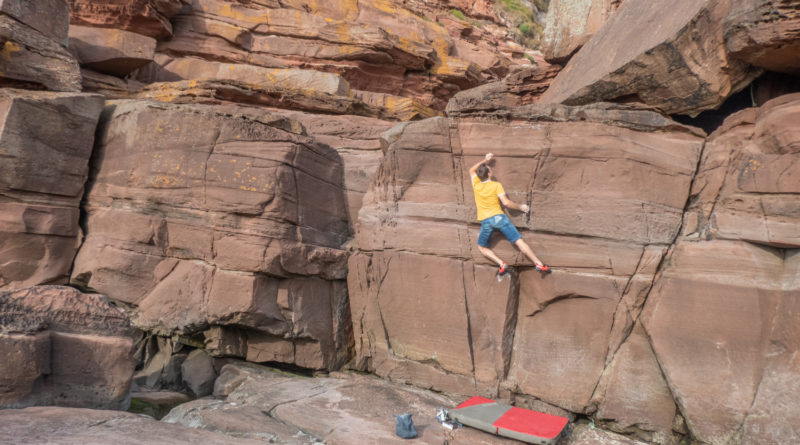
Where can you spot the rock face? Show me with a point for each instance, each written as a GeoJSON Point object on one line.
{"type": "Point", "coordinates": [45, 142]}
{"type": "Point", "coordinates": [375, 46]}
{"type": "Point", "coordinates": [213, 216]}
{"type": "Point", "coordinates": [111, 51]}
{"type": "Point", "coordinates": [646, 53]}
{"type": "Point", "coordinates": [477, 334]}
{"type": "Point", "coordinates": [667, 313]}
{"type": "Point", "coordinates": [570, 24]}
{"type": "Point", "coordinates": [740, 245]}
{"type": "Point", "coordinates": [765, 33]}
{"type": "Point", "coordinates": [33, 54]}
{"type": "Point", "coordinates": [61, 347]}
{"type": "Point", "coordinates": [147, 17]}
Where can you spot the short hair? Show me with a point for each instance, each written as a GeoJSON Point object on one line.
{"type": "Point", "coordinates": [482, 172]}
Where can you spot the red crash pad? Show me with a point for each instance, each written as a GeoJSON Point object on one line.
{"type": "Point", "coordinates": [509, 421]}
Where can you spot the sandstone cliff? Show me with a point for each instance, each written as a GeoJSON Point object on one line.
{"type": "Point", "coordinates": [286, 182]}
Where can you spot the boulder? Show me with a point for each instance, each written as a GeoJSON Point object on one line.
{"type": "Point", "coordinates": [64, 348]}
{"type": "Point", "coordinates": [197, 372]}
{"type": "Point", "coordinates": [32, 426]}
{"type": "Point", "coordinates": [207, 216]}
{"type": "Point", "coordinates": [569, 24]}
{"type": "Point", "coordinates": [33, 55]}
{"type": "Point", "coordinates": [147, 17]}
{"type": "Point", "coordinates": [111, 51]}
{"type": "Point", "coordinates": [479, 335]}
{"type": "Point", "coordinates": [53, 25]}
{"type": "Point", "coordinates": [523, 86]}
{"type": "Point", "coordinates": [646, 53]}
{"type": "Point", "coordinates": [764, 33]}
{"type": "Point", "coordinates": [45, 142]}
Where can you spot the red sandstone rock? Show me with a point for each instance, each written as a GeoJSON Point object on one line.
{"type": "Point", "coordinates": [376, 46]}
{"type": "Point", "coordinates": [49, 17]}
{"type": "Point", "coordinates": [547, 336]}
{"type": "Point", "coordinates": [646, 53]}
{"type": "Point", "coordinates": [248, 210]}
{"type": "Point", "coordinates": [749, 179]}
{"type": "Point", "coordinates": [571, 23]}
{"type": "Point", "coordinates": [522, 87]}
{"type": "Point", "coordinates": [45, 142]}
{"type": "Point", "coordinates": [765, 33]}
{"type": "Point", "coordinates": [111, 51]}
{"type": "Point", "coordinates": [146, 17]}
{"type": "Point", "coordinates": [33, 426]}
{"type": "Point", "coordinates": [65, 348]}
{"type": "Point", "coordinates": [344, 409]}
{"type": "Point", "coordinates": [32, 55]}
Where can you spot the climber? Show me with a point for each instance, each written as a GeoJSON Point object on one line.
{"type": "Point", "coordinates": [488, 196]}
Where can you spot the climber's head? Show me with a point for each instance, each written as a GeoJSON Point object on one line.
{"type": "Point", "coordinates": [483, 171]}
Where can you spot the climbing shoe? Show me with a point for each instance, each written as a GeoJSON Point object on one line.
{"type": "Point", "coordinates": [503, 269]}
{"type": "Point", "coordinates": [543, 268]}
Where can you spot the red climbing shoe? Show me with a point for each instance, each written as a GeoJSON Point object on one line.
{"type": "Point", "coordinates": [542, 268]}
{"type": "Point", "coordinates": [503, 269]}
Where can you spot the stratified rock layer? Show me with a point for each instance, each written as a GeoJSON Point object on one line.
{"type": "Point", "coordinates": [45, 143]}
{"type": "Point", "coordinates": [765, 33]}
{"type": "Point", "coordinates": [218, 215]}
{"type": "Point", "coordinates": [59, 346]}
{"type": "Point", "coordinates": [147, 17]}
{"type": "Point", "coordinates": [667, 54]}
{"type": "Point", "coordinates": [32, 54]}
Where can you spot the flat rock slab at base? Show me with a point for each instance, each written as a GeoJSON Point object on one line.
{"type": "Point", "coordinates": [345, 409]}
{"type": "Point", "coordinates": [77, 426]}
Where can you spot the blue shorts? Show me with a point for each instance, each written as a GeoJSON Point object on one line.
{"type": "Point", "coordinates": [501, 223]}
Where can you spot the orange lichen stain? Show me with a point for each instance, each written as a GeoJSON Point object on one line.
{"type": "Point", "coordinates": [164, 182]}
{"type": "Point", "coordinates": [752, 166]}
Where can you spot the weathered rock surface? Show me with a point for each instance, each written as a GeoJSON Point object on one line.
{"type": "Point", "coordinates": [667, 54]}
{"type": "Point", "coordinates": [570, 24]}
{"type": "Point", "coordinates": [33, 54]}
{"type": "Point", "coordinates": [76, 426]}
{"type": "Point", "coordinates": [206, 216]}
{"type": "Point", "coordinates": [374, 45]}
{"type": "Point", "coordinates": [415, 226]}
{"type": "Point", "coordinates": [765, 33]}
{"type": "Point", "coordinates": [45, 143]}
{"type": "Point", "coordinates": [727, 292]}
{"type": "Point", "coordinates": [62, 347]}
{"type": "Point", "coordinates": [748, 185]}
{"type": "Point", "coordinates": [523, 86]}
{"type": "Point", "coordinates": [111, 51]}
{"type": "Point", "coordinates": [257, 403]}
{"type": "Point", "coordinates": [146, 17]}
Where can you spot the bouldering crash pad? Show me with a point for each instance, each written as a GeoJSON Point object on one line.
{"type": "Point", "coordinates": [509, 421]}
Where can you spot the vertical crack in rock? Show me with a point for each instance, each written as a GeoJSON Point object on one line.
{"type": "Point", "coordinates": [510, 325]}
{"type": "Point", "coordinates": [380, 310]}
{"type": "Point", "coordinates": [466, 309]}
{"type": "Point", "coordinates": [656, 277]}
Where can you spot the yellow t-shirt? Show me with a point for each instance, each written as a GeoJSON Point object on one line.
{"type": "Point", "coordinates": [486, 197]}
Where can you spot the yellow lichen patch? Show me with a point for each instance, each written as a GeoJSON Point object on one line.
{"type": "Point", "coordinates": [164, 182]}
{"type": "Point", "coordinates": [9, 48]}
{"type": "Point", "coordinates": [752, 166]}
